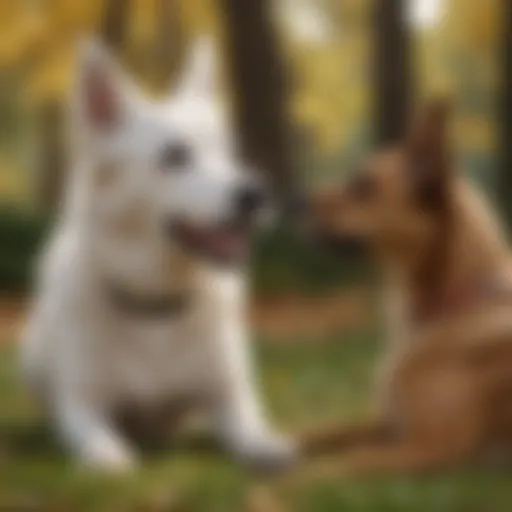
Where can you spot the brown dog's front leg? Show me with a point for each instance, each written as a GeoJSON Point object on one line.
{"type": "Point", "coordinates": [399, 458]}
{"type": "Point", "coordinates": [389, 458]}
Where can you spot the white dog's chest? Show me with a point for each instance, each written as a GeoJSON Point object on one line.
{"type": "Point", "coordinates": [151, 360]}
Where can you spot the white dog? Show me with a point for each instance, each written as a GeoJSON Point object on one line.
{"type": "Point", "coordinates": [141, 292]}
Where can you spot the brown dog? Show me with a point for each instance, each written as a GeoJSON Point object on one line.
{"type": "Point", "coordinates": [446, 389]}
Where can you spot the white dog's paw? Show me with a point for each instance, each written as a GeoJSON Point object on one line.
{"type": "Point", "coordinates": [111, 458]}
{"type": "Point", "coordinates": [267, 451]}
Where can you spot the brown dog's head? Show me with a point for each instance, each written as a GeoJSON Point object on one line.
{"type": "Point", "coordinates": [398, 198]}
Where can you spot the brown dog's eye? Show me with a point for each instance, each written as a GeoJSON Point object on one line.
{"type": "Point", "coordinates": [176, 156]}
{"type": "Point", "coordinates": [362, 188]}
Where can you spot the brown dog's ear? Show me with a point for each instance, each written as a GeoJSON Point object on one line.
{"type": "Point", "coordinates": [428, 153]}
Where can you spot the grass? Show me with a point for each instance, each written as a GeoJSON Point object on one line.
{"type": "Point", "coordinates": [304, 385]}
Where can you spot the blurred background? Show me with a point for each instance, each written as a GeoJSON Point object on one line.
{"type": "Point", "coordinates": [312, 86]}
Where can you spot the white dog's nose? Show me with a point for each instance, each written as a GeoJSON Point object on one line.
{"type": "Point", "coordinates": [249, 200]}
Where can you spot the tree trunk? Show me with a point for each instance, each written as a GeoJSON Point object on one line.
{"type": "Point", "coordinates": [260, 90]}
{"type": "Point", "coordinates": [504, 178]}
{"type": "Point", "coordinates": [51, 156]}
{"type": "Point", "coordinates": [169, 43]}
{"type": "Point", "coordinates": [115, 23]}
{"type": "Point", "coordinates": [392, 70]}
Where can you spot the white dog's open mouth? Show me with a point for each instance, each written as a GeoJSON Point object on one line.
{"type": "Point", "coordinates": [222, 244]}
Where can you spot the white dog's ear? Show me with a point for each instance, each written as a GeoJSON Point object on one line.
{"type": "Point", "coordinates": [103, 95]}
{"type": "Point", "coordinates": [199, 78]}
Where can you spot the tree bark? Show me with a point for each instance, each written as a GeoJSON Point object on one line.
{"type": "Point", "coordinates": [115, 23]}
{"type": "Point", "coordinates": [169, 43]}
{"type": "Point", "coordinates": [51, 156]}
{"type": "Point", "coordinates": [504, 181]}
{"type": "Point", "coordinates": [392, 70]}
{"type": "Point", "coordinates": [260, 90]}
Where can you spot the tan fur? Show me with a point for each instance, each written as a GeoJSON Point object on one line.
{"type": "Point", "coordinates": [445, 388]}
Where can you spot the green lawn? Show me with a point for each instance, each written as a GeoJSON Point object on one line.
{"type": "Point", "coordinates": [305, 384]}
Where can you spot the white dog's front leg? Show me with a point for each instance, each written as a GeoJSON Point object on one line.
{"type": "Point", "coordinates": [245, 431]}
{"type": "Point", "coordinates": [88, 432]}
{"type": "Point", "coordinates": [240, 418]}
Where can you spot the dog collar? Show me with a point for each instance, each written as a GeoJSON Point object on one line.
{"type": "Point", "coordinates": [150, 307]}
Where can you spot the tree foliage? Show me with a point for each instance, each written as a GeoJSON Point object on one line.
{"type": "Point", "coordinates": [330, 76]}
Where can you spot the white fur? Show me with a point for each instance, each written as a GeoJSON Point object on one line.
{"type": "Point", "coordinates": [84, 357]}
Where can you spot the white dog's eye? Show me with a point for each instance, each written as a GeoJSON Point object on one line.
{"type": "Point", "coordinates": [176, 156]}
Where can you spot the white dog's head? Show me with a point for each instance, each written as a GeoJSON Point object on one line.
{"type": "Point", "coordinates": [170, 167]}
